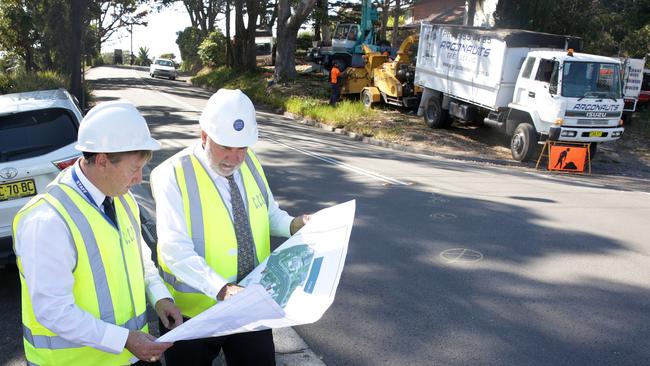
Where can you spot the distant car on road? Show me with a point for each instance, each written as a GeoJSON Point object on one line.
{"type": "Point", "coordinates": [163, 67]}
{"type": "Point", "coordinates": [38, 131]}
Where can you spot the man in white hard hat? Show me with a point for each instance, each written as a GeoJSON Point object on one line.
{"type": "Point", "coordinates": [215, 215]}
{"type": "Point", "coordinates": [85, 272]}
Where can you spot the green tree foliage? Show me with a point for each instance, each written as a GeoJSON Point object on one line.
{"type": "Point", "coordinates": [304, 41]}
{"type": "Point", "coordinates": [17, 32]}
{"type": "Point", "coordinates": [203, 13]}
{"type": "Point", "coordinates": [168, 56]}
{"type": "Point", "coordinates": [212, 50]}
{"type": "Point", "coordinates": [187, 39]}
{"type": "Point", "coordinates": [143, 57]}
{"type": "Point", "coordinates": [614, 27]}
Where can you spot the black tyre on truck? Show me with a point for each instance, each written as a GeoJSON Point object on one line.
{"type": "Point", "coordinates": [523, 144]}
{"type": "Point", "coordinates": [434, 115]}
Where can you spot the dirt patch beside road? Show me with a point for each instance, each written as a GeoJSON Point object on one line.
{"type": "Point", "coordinates": [629, 156]}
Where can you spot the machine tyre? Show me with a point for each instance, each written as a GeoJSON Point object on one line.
{"type": "Point", "coordinates": [523, 143]}
{"type": "Point", "coordinates": [434, 115]}
{"type": "Point", "coordinates": [366, 98]}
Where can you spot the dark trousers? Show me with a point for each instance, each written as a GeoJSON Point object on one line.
{"type": "Point", "coordinates": [242, 349]}
{"type": "Point", "coordinates": [336, 91]}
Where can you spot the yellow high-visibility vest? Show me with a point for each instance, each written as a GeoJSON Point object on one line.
{"type": "Point", "coordinates": [108, 277]}
{"type": "Point", "coordinates": [211, 228]}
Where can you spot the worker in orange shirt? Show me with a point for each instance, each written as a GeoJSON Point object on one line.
{"type": "Point", "coordinates": [335, 75]}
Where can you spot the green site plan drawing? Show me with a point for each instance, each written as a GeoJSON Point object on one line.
{"type": "Point", "coordinates": [285, 271]}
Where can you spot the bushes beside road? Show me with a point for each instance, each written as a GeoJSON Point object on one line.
{"type": "Point", "coordinates": [308, 97]}
{"type": "Point", "coordinates": [31, 81]}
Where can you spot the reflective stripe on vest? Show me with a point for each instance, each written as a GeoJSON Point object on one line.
{"type": "Point", "coordinates": [190, 300]}
{"type": "Point", "coordinates": [116, 272]}
{"type": "Point", "coordinates": [56, 342]}
{"type": "Point", "coordinates": [196, 214]}
{"type": "Point", "coordinates": [106, 311]}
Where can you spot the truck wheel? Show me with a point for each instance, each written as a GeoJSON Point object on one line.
{"type": "Point", "coordinates": [434, 115]}
{"type": "Point", "coordinates": [523, 144]}
{"type": "Point", "coordinates": [366, 98]}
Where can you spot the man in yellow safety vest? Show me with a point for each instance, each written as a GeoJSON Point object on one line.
{"type": "Point", "coordinates": [85, 272]}
{"type": "Point", "coordinates": [215, 215]}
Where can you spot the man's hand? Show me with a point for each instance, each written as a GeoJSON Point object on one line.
{"type": "Point", "coordinates": [144, 347]}
{"type": "Point", "coordinates": [298, 222]}
{"type": "Point", "coordinates": [168, 313]}
{"type": "Point", "coordinates": [228, 291]}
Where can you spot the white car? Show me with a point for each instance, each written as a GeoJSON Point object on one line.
{"type": "Point", "coordinates": [163, 67]}
{"type": "Point", "coordinates": [38, 131]}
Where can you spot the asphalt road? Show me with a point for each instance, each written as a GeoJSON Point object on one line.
{"type": "Point", "coordinates": [450, 262]}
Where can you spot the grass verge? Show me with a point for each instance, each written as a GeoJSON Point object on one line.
{"type": "Point", "coordinates": [41, 80]}
{"type": "Point", "coordinates": [307, 96]}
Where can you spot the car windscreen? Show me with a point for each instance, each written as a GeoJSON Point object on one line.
{"type": "Point", "coordinates": [164, 63]}
{"type": "Point", "coordinates": [28, 134]}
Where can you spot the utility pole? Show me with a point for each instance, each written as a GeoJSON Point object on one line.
{"type": "Point", "coordinates": [131, 54]}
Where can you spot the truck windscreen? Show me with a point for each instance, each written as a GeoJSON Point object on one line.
{"type": "Point", "coordinates": [591, 80]}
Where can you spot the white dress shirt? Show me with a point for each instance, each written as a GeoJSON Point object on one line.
{"type": "Point", "coordinates": [176, 246]}
{"type": "Point", "coordinates": [48, 257]}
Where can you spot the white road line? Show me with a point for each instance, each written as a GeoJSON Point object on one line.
{"type": "Point", "coordinates": [342, 165]}
{"type": "Point", "coordinates": [187, 106]}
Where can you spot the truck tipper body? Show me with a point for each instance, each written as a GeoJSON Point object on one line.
{"type": "Point", "coordinates": [530, 85]}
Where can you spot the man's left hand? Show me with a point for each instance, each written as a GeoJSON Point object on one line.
{"type": "Point", "coordinates": [298, 222]}
{"type": "Point", "coordinates": [168, 313]}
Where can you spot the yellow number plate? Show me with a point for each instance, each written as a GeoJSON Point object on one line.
{"type": "Point", "coordinates": [595, 133]}
{"type": "Point", "coordinates": [23, 188]}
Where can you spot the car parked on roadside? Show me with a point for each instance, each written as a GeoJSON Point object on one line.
{"type": "Point", "coordinates": [163, 67]}
{"type": "Point", "coordinates": [38, 131]}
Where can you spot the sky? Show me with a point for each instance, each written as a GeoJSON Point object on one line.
{"type": "Point", "coordinates": [159, 35]}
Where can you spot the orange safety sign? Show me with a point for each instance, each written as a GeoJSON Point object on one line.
{"type": "Point", "coordinates": [567, 158]}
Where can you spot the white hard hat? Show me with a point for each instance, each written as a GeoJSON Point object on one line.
{"type": "Point", "coordinates": [114, 126]}
{"type": "Point", "coordinates": [229, 119]}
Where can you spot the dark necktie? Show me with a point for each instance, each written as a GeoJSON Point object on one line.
{"type": "Point", "coordinates": [109, 210]}
{"type": "Point", "coordinates": [245, 251]}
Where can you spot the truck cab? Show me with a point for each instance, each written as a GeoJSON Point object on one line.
{"type": "Point", "coordinates": [569, 97]}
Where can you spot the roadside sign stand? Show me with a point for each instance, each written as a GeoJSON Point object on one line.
{"type": "Point", "coordinates": [561, 157]}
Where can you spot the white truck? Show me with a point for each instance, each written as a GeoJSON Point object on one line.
{"type": "Point", "coordinates": [632, 80]}
{"type": "Point", "coordinates": [530, 85]}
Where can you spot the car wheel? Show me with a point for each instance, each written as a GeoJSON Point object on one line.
{"type": "Point", "coordinates": [523, 144]}
{"type": "Point", "coordinates": [434, 115]}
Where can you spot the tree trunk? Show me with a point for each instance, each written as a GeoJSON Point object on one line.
{"type": "Point", "coordinates": [229, 51]}
{"type": "Point", "coordinates": [385, 11]}
{"type": "Point", "coordinates": [317, 20]}
{"type": "Point", "coordinates": [285, 60]}
{"type": "Point", "coordinates": [326, 32]}
{"type": "Point", "coordinates": [76, 33]}
{"type": "Point", "coordinates": [288, 24]}
{"type": "Point", "coordinates": [244, 47]}
{"type": "Point", "coordinates": [393, 39]}
{"type": "Point", "coordinates": [238, 40]}
{"type": "Point", "coordinates": [250, 51]}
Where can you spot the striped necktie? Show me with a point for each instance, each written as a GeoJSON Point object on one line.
{"type": "Point", "coordinates": [245, 249]}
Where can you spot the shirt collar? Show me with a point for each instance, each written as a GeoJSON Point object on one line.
{"type": "Point", "coordinates": [95, 193]}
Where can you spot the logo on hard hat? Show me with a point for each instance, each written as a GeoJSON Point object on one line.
{"type": "Point", "coordinates": [238, 125]}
